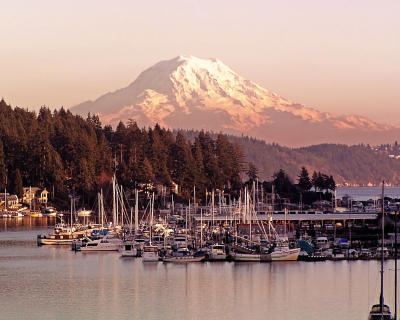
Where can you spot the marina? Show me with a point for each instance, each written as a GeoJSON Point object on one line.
{"type": "Point", "coordinates": [102, 285]}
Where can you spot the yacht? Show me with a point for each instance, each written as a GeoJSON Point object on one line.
{"type": "Point", "coordinates": [183, 255]}
{"type": "Point", "coordinates": [150, 253]}
{"type": "Point", "coordinates": [246, 257]}
{"type": "Point", "coordinates": [217, 252]}
{"type": "Point", "coordinates": [56, 238]}
{"type": "Point", "coordinates": [128, 249]}
{"type": "Point", "coordinates": [104, 244]}
{"type": "Point", "coordinates": [284, 253]}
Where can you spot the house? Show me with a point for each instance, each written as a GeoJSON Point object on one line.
{"type": "Point", "coordinates": [42, 196]}
{"type": "Point", "coordinates": [34, 194]}
{"type": "Point", "coordinates": [29, 194]}
{"type": "Point", "coordinates": [12, 200]}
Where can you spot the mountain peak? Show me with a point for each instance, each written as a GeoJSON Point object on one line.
{"type": "Point", "coordinates": [194, 93]}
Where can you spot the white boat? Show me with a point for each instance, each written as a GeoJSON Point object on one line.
{"type": "Point", "coordinates": [56, 239]}
{"type": "Point", "coordinates": [322, 243]}
{"type": "Point", "coordinates": [179, 242]}
{"type": "Point", "coordinates": [184, 259]}
{"type": "Point", "coordinates": [150, 254]}
{"type": "Point", "coordinates": [128, 249]}
{"type": "Point", "coordinates": [217, 252]}
{"type": "Point", "coordinates": [247, 257]}
{"type": "Point", "coordinates": [283, 253]}
{"type": "Point", "coordinates": [104, 244]}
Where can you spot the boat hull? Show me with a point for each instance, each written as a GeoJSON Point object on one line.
{"type": "Point", "coordinates": [45, 241]}
{"type": "Point", "coordinates": [217, 257]}
{"type": "Point", "coordinates": [113, 247]}
{"type": "Point", "coordinates": [246, 257]}
{"type": "Point", "coordinates": [286, 255]}
{"type": "Point", "coordinates": [149, 257]}
{"type": "Point", "coordinates": [183, 259]}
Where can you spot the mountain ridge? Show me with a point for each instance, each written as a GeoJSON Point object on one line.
{"type": "Point", "coordinates": [192, 93]}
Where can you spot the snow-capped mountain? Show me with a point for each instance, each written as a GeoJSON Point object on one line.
{"type": "Point", "coordinates": [193, 93]}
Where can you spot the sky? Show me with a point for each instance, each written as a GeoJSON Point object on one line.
{"type": "Point", "coordinates": [336, 56]}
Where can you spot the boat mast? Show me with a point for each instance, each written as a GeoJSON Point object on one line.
{"type": "Point", "coordinates": [131, 221]}
{"type": "Point", "coordinates": [381, 299]}
{"type": "Point", "coordinates": [114, 211]}
{"type": "Point", "coordinates": [212, 207]}
{"type": "Point", "coordinates": [99, 206]}
{"type": "Point", "coordinates": [201, 228]}
{"type": "Point", "coordinates": [72, 197]}
{"type": "Point", "coordinates": [102, 208]}
{"type": "Point", "coordinates": [136, 212]}
{"type": "Point", "coordinates": [151, 215]}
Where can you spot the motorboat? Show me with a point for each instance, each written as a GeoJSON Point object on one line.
{"type": "Point", "coordinates": [284, 253]}
{"type": "Point", "coordinates": [150, 253]}
{"type": "Point", "coordinates": [104, 244]}
{"type": "Point", "coordinates": [183, 255]}
{"type": "Point", "coordinates": [217, 253]}
{"type": "Point", "coordinates": [128, 249]}
{"type": "Point", "coordinates": [246, 257]}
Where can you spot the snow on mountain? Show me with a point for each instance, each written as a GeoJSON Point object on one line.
{"type": "Point", "coordinates": [193, 93]}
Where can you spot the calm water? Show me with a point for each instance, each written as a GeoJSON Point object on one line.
{"type": "Point", "coordinates": [366, 193]}
{"type": "Point", "coordinates": [56, 283]}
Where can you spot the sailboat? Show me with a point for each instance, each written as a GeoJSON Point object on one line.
{"type": "Point", "coordinates": [150, 252]}
{"type": "Point", "coordinates": [381, 311]}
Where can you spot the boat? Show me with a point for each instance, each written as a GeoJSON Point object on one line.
{"type": "Point", "coordinates": [128, 249]}
{"type": "Point", "coordinates": [104, 244]}
{"type": "Point", "coordinates": [183, 255]}
{"type": "Point", "coordinates": [217, 253]}
{"type": "Point", "coordinates": [56, 239]}
{"type": "Point", "coordinates": [150, 253]}
{"type": "Point", "coordinates": [381, 311]}
{"type": "Point", "coordinates": [184, 259]}
{"type": "Point", "coordinates": [36, 214]}
{"type": "Point", "coordinates": [246, 257]}
{"type": "Point", "coordinates": [284, 253]}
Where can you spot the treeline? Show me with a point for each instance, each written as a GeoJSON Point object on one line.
{"type": "Point", "coordinates": [357, 164]}
{"type": "Point", "coordinates": [305, 189]}
{"type": "Point", "coordinates": [68, 154]}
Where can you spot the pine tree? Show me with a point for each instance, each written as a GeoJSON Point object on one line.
{"type": "Point", "coordinates": [282, 182]}
{"type": "Point", "coordinates": [314, 180]}
{"type": "Point", "coordinates": [304, 180]}
{"type": "Point", "coordinates": [16, 184]}
{"type": "Point", "coordinates": [252, 172]}
{"type": "Point", "coordinates": [147, 175]}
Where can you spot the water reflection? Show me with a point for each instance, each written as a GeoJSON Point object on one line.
{"type": "Point", "coordinates": [54, 282]}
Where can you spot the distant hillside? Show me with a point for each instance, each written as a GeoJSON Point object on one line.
{"type": "Point", "coordinates": [356, 165]}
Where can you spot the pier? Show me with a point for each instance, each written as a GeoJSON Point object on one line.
{"type": "Point", "coordinates": [292, 217]}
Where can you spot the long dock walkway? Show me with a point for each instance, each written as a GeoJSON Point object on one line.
{"type": "Point", "coordinates": [295, 217]}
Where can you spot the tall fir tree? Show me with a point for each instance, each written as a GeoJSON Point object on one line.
{"type": "Point", "coordinates": [16, 185]}
{"type": "Point", "coordinates": [304, 181]}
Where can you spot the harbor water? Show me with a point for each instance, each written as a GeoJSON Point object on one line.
{"type": "Point", "coordinates": [51, 282]}
{"type": "Point", "coordinates": [367, 193]}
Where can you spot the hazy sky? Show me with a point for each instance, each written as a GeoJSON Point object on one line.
{"type": "Point", "coordinates": [337, 56]}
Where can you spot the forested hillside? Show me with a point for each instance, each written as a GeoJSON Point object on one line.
{"type": "Point", "coordinates": [358, 164]}
{"type": "Point", "coordinates": [68, 154]}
